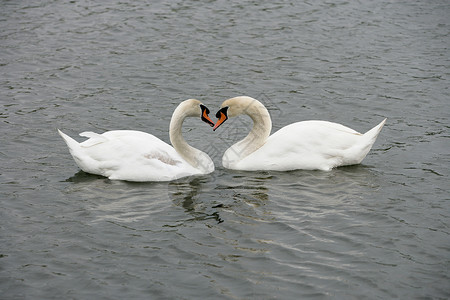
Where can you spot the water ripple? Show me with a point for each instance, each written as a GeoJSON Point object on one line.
{"type": "Point", "coordinates": [377, 230]}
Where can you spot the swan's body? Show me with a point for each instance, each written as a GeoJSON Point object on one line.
{"type": "Point", "coordinates": [308, 145]}
{"type": "Point", "coordinates": [139, 156]}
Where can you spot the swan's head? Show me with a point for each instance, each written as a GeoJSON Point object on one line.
{"type": "Point", "coordinates": [194, 108]}
{"type": "Point", "coordinates": [236, 106]}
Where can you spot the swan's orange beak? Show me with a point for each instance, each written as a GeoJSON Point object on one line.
{"type": "Point", "coordinates": [222, 116]}
{"type": "Point", "coordinates": [205, 118]}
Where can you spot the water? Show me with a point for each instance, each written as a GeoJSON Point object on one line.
{"type": "Point", "coordinates": [379, 230]}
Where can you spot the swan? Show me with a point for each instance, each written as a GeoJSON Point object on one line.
{"type": "Point", "coordinates": [138, 156]}
{"type": "Point", "coordinates": [307, 145]}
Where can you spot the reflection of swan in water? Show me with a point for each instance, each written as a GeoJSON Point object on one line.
{"type": "Point", "coordinates": [250, 188]}
{"type": "Point", "coordinates": [126, 204]}
{"type": "Point", "coordinates": [82, 176]}
{"type": "Point", "coordinates": [244, 197]}
{"type": "Point", "coordinates": [186, 192]}
{"type": "Point", "coordinates": [204, 199]}
{"type": "Point", "coordinates": [299, 189]}
{"type": "Point", "coordinates": [260, 191]}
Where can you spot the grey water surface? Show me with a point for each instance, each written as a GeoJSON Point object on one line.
{"type": "Point", "coordinates": [379, 230]}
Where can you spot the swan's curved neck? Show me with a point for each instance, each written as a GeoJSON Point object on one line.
{"type": "Point", "coordinates": [176, 138]}
{"type": "Point", "coordinates": [262, 125]}
{"type": "Point", "coordinates": [193, 156]}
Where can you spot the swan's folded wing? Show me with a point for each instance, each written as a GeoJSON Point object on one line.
{"type": "Point", "coordinates": [94, 139]}
{"type": "Point", "coordinates": [163, 157]}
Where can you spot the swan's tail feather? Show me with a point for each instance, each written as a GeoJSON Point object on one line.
{"type": "Point", "coordinates": [372, 134]}
{"type": "Point", "coordinates": [77, 153]}
{"type": "Point", "coordinates": [360, 151]}
{"type": "Point", "coordinates": [71, 143]}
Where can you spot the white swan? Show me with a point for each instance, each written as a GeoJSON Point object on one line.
{"type": "Point", "coordinates": [139, 156]}
{"type": "Point", "coordinates": [308, 145]}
